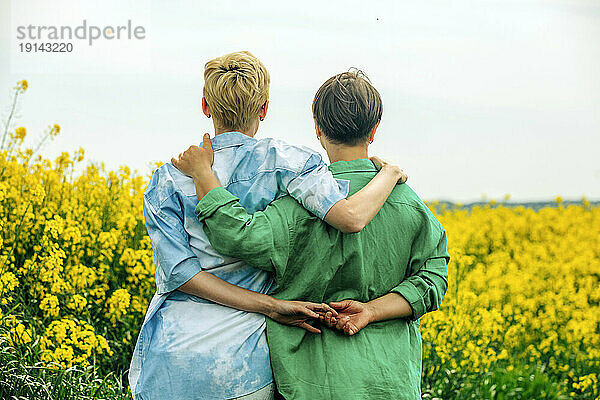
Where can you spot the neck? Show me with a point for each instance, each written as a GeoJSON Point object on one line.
{"type": "Point", "coordinates": [339, 152]}
{"type": "Point", "coordinates": [248, 132]}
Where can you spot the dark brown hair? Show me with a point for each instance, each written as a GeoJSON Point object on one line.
{"type": "Point", "coordinates": [347, 108]}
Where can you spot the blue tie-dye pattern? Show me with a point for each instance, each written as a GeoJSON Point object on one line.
{"type": "Point", "coordinates": [190, 348]}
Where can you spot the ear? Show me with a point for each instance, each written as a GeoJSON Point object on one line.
{"type": "Point", "coordinates": [317, 129]}
{"type": "Point", "coordinates": [372, 134]}
{"type": "Point", "coordinates": [320, 136]}
{"type": "Point", "coordinates": [205, 108]}
{"type": "Point", "coordinates": [263, 110]}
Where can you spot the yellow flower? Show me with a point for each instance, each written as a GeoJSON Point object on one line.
{"type": "Point", "coordinates": [79, 154]}
{"type": "Point", "coordinates": [20, 133]}
{"type": "Point", "coordinates": [68, 341]}
{"type": "Point", "coordinates": [50, 305]}
{"type": "Point", "coordinates": [118, 305]}
{"type": "Point", "coordinates": [77, 302]}
{"type": "Point", "coordinates": [38, 194]}
{"type": "Point", "coordinates": [22, 85]}
{"type": "Point", "coordinates": [21, 335]}
{"type": "Point", "coordinates": [54, 130]}
{"type": "Point", "coordinates": [8, 282]}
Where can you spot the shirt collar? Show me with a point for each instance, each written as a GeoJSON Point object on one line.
{"type": "Point", "coordinates": [230, 139]}
{"type": "Point", "coordinates": [358, 165]}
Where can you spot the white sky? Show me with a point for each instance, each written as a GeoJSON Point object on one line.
{"type": "Point", "coordinates": [480, 96]}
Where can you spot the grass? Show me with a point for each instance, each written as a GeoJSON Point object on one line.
{"type": "Point", "coordinates": [523, 382]}
{"type": "Point", "coordinates": [21, 379]}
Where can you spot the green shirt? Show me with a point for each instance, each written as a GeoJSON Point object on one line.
{"type": "Point", "coordinates": [403, 250]}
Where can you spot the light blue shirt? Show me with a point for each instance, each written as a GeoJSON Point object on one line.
{"type": "Point", "coordinates": [191, 348]}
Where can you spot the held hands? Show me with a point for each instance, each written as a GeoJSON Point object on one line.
{"type": "Point", "coordinates": [196, 162]}
{"type": "Point", "coordinates": [348, 316]}
{"type": "Point", "coordinates": [299, 313]}
{"type": "Point", "coordinates": [394, 169]}
{"type": "Point", "coordinates": [351, 316]}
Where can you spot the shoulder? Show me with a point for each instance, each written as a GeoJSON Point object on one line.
{"type": "Point", "coordinates": [164, 184]}
{"type": "Point", "coordinates": [409, 203]}
{"type": "Point", "coordinates": [282, 155]}
{"type": "Point", "coordinates": [269, 159]}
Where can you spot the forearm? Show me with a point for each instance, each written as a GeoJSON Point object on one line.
{"type": "Point", "coordinates": [235, 233]}
{"type": "Point", "coordinates": [209, 287]}
{"type": "Point", "coordinates": [389, 306]}
{"type": "Point", "coordinates": [354, 213]}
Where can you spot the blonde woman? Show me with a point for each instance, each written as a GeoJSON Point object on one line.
{"type": "Point", "coordinates": [204, 332]}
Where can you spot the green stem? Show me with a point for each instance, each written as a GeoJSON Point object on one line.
{"type": "Point", "coordinates": [10, 116]}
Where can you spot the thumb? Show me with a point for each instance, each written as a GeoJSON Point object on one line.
{"type": "Point", "coordinates": [377, 161]}
{"type": "Point", "coordinates": [404, 177]}
{"type": "Point", "coordinates": [208, 146]}
{"type": "Point", "coordinates": [350, 328]}
{"type": "Point", "coordinates": [339, 305]}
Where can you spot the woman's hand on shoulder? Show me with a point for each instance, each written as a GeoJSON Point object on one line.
{"type": "Point", "coordinates": [196, 162]}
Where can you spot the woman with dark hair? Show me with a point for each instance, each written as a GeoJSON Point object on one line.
{"type": "Point", "coordinates": [380, 281]}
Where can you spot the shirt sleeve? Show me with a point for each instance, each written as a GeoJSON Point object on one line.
{"type": "Point", "coordinates": [316, 188]}
{"type": "Point", "coordinates": [174, 261]}
{"type": "Point", "coordinates": [262, 239]}
{"type": "Point", "coordinates": [427, 281]}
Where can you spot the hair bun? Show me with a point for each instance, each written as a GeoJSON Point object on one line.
{"type": "Point", "coordinates": [232, 66]}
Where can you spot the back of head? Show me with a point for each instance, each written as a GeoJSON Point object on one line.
{"type": "Point", "coordinates": [236, 86]}
{"type": "Point", "coordinates": [347, 108]}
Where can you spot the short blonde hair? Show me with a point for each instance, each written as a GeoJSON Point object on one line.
{"type": "Point", "coordinates": [236, 86]}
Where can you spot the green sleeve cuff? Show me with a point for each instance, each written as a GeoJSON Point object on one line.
{"type": "Point", "coordinates": [215, 199]}
{"type": "Point", "coordinates": [409, 291]}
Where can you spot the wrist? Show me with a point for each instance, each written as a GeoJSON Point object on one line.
{"type": "Point", "coordinates": [205, 183]}
{"type": "Point", "coordinates": [268, 306]}
{"type": "Point", "coordinates": [202, 174]}
{"type": "Point", "coordinates": [393, 169]}
{"type": "Point", "coordinates": [371, 310]}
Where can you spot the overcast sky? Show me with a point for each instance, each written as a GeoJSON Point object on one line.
{"type": "Point", "coordinates": [480, 97]}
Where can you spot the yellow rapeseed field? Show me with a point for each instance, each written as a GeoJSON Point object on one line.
{"type": "Point", "coordinates": [521, 318]}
